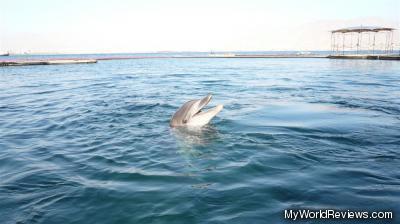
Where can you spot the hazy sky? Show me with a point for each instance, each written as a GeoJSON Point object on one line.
{"type": "Point", "coordinates": [78, 26]}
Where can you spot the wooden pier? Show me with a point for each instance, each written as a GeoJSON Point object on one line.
{"type": "Point", "coordinates": [47, 62]}
{"type": "Point", "coordinates": [369, 57]}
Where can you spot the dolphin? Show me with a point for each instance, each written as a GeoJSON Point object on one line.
{"type": "Point", "coordinates": [190, 114]}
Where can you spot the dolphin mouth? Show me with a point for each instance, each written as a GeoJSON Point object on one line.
{"type": "Point", "coordinates": [192, 113]}
{"type": "Point", "coordinates": [204, 102]}
{"type": "Point", "coordinates": [210, 111]}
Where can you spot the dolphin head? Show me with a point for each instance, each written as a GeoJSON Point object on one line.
{"type": "Point", "coordinates": [191, 114]}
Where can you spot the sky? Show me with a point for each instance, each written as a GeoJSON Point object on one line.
{"type": "Point", "coordinates": [104, 26]}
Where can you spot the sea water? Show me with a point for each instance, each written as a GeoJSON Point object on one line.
{"type": "Point", "coordinates": [91, 143]}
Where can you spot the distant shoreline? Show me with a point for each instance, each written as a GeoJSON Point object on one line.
{"type": "Point", "coordinates": [173, 52]}
{"type": "Point", "coordinates": [93, 58]}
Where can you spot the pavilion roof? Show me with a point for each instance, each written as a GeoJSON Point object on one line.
{"type": "Point", "coordinates": [360, 29]}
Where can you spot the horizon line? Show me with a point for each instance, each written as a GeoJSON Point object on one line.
{"type": "Point", "coordinates": [161, 52]}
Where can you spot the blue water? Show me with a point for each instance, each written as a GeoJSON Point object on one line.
{"type": "Point", "coordinates": [91, 143]}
